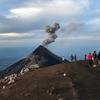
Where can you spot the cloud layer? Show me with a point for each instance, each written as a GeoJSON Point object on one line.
{"type": "Point", "coordinates": [33, 14]}
{"type": "Point", "coordinates": [19, 19]}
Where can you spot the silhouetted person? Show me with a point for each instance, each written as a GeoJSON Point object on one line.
{"type": "Point", "coordinates": [71, 57]}
{"type": "Point", "coordinates": [85, 57]}
{"type": "Point", "coordinates": [99, 58]}
{"type": "Point", "coordinates": [89, 58]}
{"type": "Point", "coordinates": [95, 58]}
{"type": "Point", "coordinates": [75, 58]}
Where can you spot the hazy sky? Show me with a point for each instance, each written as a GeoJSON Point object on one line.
{"type": "Point", "coordinates": [22, 22]}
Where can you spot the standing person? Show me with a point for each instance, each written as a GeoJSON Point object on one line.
{"type": "Point", "coordinates": [99, 58]}
{"type": "Point", "coordinates": [95, 58]}
{"type": "Point", "coordinates": [71, 57]}
{"type": "Point", "coordinates": [85, 57]}
{"type": "Point", "coordinates": [63, 59]}
{"type": "Point", "coordinates": [89, 58]}
{"type": "Point", "coordinates": [75, 58]}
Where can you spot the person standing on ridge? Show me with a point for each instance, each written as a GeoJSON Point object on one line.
{"type": "Point", "coordinates": [85, 57]}
{"type": "Point", "coordinates": [95, 58]}
{"type": "Point", "coordinates": [75, 58]}
{"type": "Point", "coordinates": [89, 58]}
{"type": "Point", "coordinates": [71, 57]}
{"type": "Point", "coordinates": [99, 58]}
{"type": "Point", "coordinates": [63, 59]}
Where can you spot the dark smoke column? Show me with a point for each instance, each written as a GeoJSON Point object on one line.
{"type": "Point", "coordinates": [51, 34]}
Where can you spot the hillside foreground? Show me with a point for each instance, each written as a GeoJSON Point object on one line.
{"type": "Point", "coordinates": [71, 81]}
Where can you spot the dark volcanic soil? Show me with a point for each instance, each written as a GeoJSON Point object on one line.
{"type": "Point", "coordinates": [81, 83]}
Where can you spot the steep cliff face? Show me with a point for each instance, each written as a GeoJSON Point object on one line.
{"type": "Point", "coordinates": [40, 56]}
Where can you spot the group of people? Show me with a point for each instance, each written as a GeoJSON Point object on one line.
{"type": "Point", "coordinates": [93, 58]}
{"type": "Point", "coordinates": [73, 57]}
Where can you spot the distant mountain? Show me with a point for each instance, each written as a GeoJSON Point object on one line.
{"type": "Point", "coordinates": [41, 56]}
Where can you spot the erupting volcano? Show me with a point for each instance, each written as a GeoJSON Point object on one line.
{"type": "Point", "coordinates": [40, 56]}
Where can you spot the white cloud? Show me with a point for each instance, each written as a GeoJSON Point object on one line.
{"type": "Point", "coordinates": [85, 3]}
{"type": "Point", "coordinates": [62, 7]}
{"type": "Point", "coordinates": [9, 35]}
{"type": "Point", "coordinates": [54, 7]}
{"type": "Point", "coordinates": [33, 15]}
{"type": "Point", "coordinates": [25, 12]}
{"type": "Point", "coordinates": [70, 7]}
{"type": "Point", "coordinates": [16, 35]}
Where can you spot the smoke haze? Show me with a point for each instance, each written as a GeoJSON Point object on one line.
{"type": "Point", "coordinates": [51, 34]}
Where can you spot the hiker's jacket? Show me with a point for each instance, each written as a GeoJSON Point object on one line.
{"type": "Point", "coordinates": [89, 57]}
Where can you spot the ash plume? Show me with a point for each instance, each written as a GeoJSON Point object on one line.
{"type": "Point", "coordinates": [51, 34]}
{"type": "Point", "coordinates": [74, 26]}
{"type": "Point", "coordinates": [71, 27]}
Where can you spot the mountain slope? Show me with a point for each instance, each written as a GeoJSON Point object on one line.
{"type": "Point", "coordinates": [42, 84]}
{"type": "Point", "coordinates": [41, 56]}
{"type": "Point", "coordinates": [71, 81]}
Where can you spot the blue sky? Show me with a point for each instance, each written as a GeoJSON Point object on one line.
{"type": "Point", "coordinates": [22, 22]}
